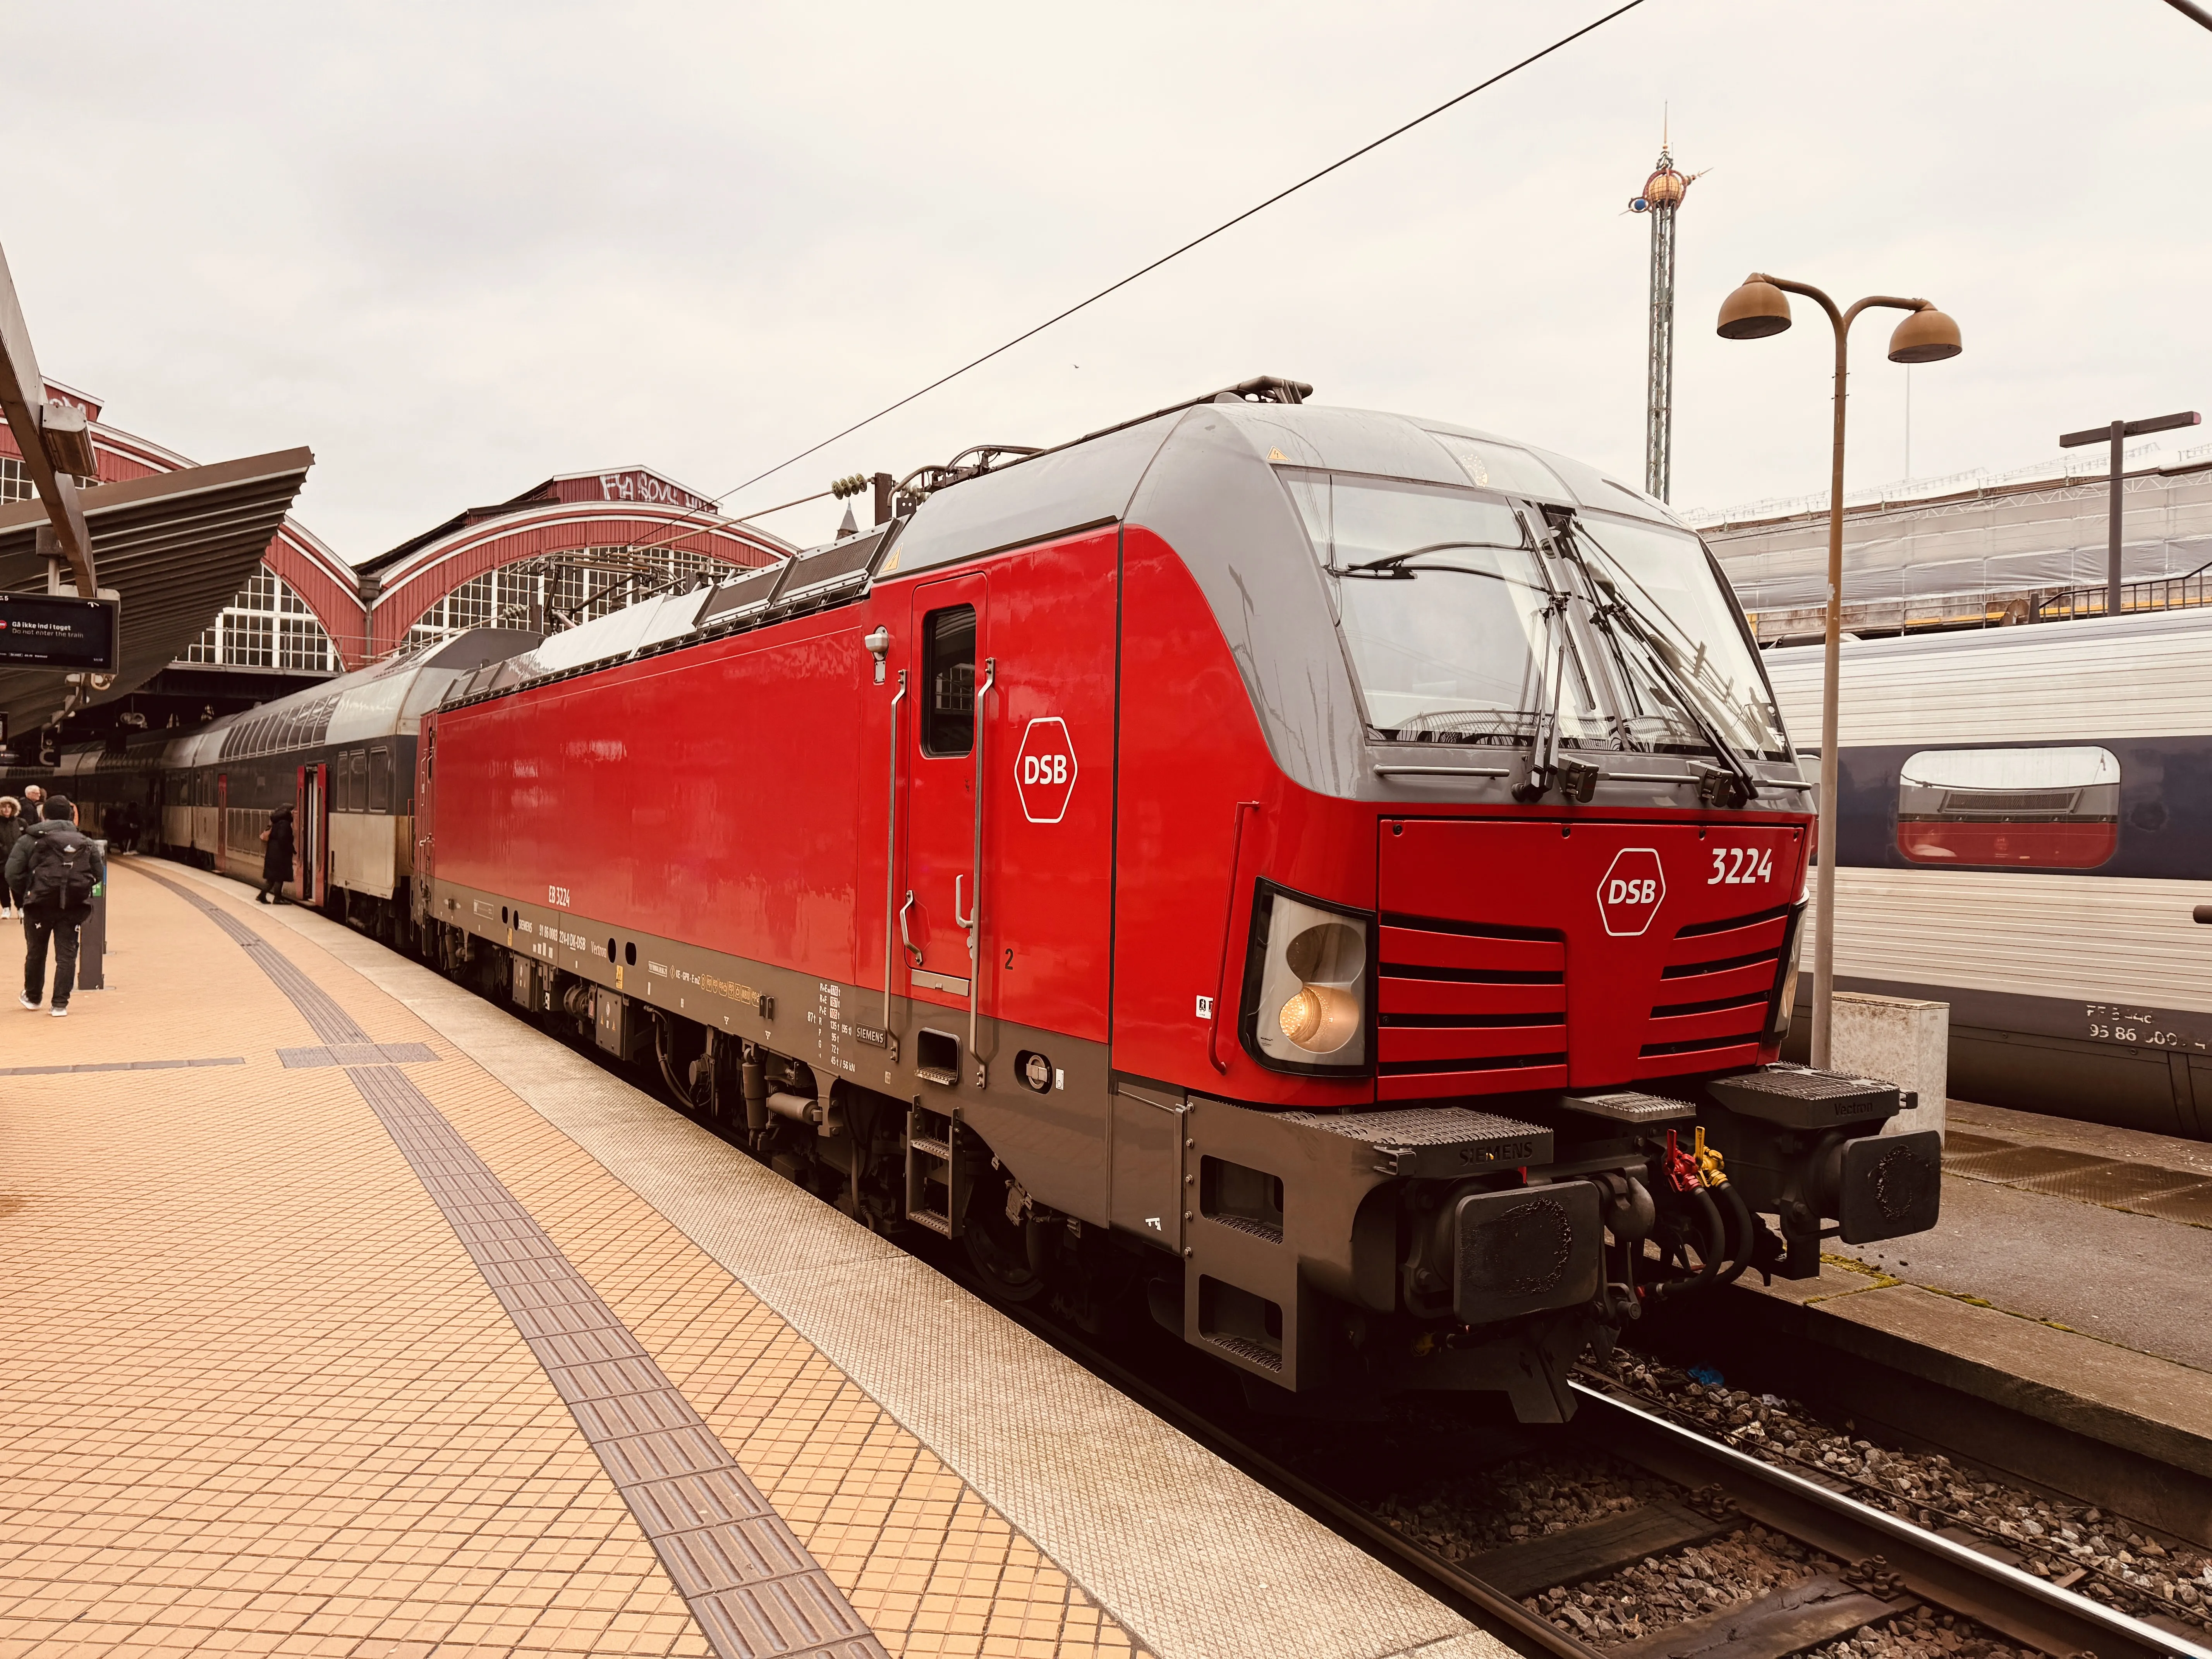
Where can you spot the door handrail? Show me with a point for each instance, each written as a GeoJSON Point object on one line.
{"type": "Point", "coordinates": [975, 916]}
{"type": "Point", "coordinates": [890, 851]}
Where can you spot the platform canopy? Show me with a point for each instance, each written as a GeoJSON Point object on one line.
{"type": "Point", "coordinates": [175, 547]}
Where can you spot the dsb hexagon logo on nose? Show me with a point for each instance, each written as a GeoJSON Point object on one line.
{"type": "Point", "coordinates": [1631, 892]}
{"type": "Point", "coordinates": [1044, 770]}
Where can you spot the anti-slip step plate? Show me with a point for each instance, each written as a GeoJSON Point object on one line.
{"type": "Point", "coordinates": [1628, 1106]}
{"type": "Point", "coordinates": [1436, 1141]}
{"type": "Point", "coordinates": [1797, 1098]}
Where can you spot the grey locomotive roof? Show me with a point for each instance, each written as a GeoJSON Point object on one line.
{"type": "Point", "coordinates": [1094, 481]}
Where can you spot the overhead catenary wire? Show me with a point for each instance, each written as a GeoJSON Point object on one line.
{"type": "Point", "coordinates": [1341, 162]}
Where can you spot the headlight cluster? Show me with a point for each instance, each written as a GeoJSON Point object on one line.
{"type": "Point", "coordinates": [1305, 986]}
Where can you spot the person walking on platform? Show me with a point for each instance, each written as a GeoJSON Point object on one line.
{"type": "Point", "coordinates": [277, 862]}
{"type": "Point", "coordinates": [54, 870]}
{"type": "Point", "coordinates": [11, 827]}
{"type": "Point", "coordinates": [33, 795]}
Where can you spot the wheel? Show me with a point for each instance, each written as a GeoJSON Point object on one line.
{"type": "Point", "coordinates": [999, 1246]}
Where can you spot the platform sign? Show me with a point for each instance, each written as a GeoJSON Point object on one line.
{"type": "Point", "coordinates": [59, 631]}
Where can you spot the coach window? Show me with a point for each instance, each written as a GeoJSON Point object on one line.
{"type": "Point", "coordinates": [379, 780]}
{"type": "Point", "coordinates": [948, 725]}
{"type": "Point", "coordinates": [2035, 809]}
{"type": "Point", "coordinates": [357, 780]}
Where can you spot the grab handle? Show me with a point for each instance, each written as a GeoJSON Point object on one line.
{"type": "Point", "coordinates": [890, 851]}
{"type": "Point", "coordinates": [974, 923]}
{"type": "Point", "coordinates": [906, 938]}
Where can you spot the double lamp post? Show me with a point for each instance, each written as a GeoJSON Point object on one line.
{"type": "Point", "coordinates": [1759, 308]}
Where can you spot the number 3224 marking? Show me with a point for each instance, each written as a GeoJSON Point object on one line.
{"type": "Point", "coordinates": [1741, 867]}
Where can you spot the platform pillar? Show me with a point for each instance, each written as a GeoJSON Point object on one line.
{"type": "Point", "coordinates": [1899, 1041]}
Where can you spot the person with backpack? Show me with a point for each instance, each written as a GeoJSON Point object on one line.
{"type": "Point", "coordinates": [54, 870]}
{"type": "Point", "coordinates": [277, 859]}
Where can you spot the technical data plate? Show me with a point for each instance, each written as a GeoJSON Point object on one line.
{"type": "Point", "coordinates": [1627, 1106]}
{"type": "Point", "coordinates": [1436, 1141]}
{"type": "Point", "coordinates": [1800, 1099]}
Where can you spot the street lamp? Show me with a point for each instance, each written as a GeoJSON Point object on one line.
{"type": "Point", "coordinates": [1760, 306]}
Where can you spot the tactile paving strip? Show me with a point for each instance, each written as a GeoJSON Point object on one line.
{"type": "Point", "coordinates": [359, 1053]}
{"type": "Point", "coordinates": [2181, 1195]}
{"type": "Point", "coordinates": [750, 1583]}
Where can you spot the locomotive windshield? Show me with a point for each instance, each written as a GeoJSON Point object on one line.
{"type": "Point", "coordinates": [1457, 632]}
{"type": "Point", "coordinates": [1673, 641]}
{"type": "Point", "coordinates": [1452, 629]}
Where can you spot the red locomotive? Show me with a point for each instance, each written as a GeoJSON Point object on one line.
{"type": "Point", "coordinates": [1335, 875]}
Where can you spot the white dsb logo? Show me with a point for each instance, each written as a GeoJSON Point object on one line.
{"type": "Point", "coordinates": [1630, 891]}
{"type": "Point", "coordinates": [1044, 769]}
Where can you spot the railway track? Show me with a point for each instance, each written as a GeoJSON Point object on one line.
{"type": "Point", "coordinates": [1879, 1566]}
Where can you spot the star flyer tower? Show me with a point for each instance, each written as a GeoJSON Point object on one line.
{"type": "Point", "coordinates": [1661, 197]}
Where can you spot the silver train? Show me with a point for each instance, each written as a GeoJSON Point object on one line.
{"type": "Point", "coordinates": [341, 754]}
{"type": "Point", "coordinates": [2026, 833]}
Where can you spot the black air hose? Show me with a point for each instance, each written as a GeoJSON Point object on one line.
{"type": "Point", "coordinates": [1746, 1233]}
{"type": "Point", "coordinates": [1714, 1246]}
{"type": "Point", "coordinates": [660, 1034]}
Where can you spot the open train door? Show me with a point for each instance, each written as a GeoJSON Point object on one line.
{"type": "Point", "coordinates": [222, 824]}
{"type": "Point", "coordinates": [311, 811]}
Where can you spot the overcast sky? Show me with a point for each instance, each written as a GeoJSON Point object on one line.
{"type": "Point", "coordinates": [457, 248]}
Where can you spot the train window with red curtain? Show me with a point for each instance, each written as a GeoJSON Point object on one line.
{"type": "Point", "coordinates": [2035, 809]}
{"type": "Point", "coordinates": [948, 708]}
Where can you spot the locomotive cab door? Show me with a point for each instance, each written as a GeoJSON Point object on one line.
{"type": "Point", "coordinates": [938, 890]}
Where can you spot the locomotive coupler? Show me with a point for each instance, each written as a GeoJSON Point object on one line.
{"type": "Point", "coordinates": [1808, 1148]}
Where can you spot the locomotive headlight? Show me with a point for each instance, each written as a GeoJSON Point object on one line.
{"type": "Point", "coordinates": [1305, 985]}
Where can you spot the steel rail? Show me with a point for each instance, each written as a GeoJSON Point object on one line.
{"type": "Point", "coordinates": [2014, 1603]}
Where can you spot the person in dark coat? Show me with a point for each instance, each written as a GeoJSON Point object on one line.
{"type": "Point", "coordinates": [42, 857]}
{"type": "Point", "coordinates": [276, 860]}
{"type": "Point", "coordinates": [12, 825]}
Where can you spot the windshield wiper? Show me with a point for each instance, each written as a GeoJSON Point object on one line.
{"type": "Point", "coordinates": [1541, 767]}
{"type": "Point", "coordinates": [1620, 620]}
{"type": "Point", "coordinates": [1388, 565]}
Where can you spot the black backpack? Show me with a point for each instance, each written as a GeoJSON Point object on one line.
{"type": "Point", "coordinates": [61, 871]}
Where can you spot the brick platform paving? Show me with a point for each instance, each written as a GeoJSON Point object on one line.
{"type": "Point", "coordinates": [255, 1395]}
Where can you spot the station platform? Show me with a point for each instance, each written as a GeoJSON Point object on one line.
{"type": "Point", "coordinates": [346, 1315]}
{"type": "Point", "coordinates": [2060, 1312]}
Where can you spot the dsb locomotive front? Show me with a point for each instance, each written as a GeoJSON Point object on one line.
{"type": "Point", "coordinates": [1330, 877]}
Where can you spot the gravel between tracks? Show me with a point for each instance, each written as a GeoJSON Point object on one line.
{"type": "Point", "coordinates": [2072, 1544]}
{"type": "Point", "coordinates": [1517, 1499]}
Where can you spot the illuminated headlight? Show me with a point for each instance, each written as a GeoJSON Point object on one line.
{"type": "Point", "coordinates": [1305, 985]}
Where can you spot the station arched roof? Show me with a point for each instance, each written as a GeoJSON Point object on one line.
{"type": "Point", "coordinates": [626, 507]}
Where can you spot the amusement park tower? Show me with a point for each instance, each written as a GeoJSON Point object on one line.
{"type": "Point", "coordinates": [1662, 198]}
